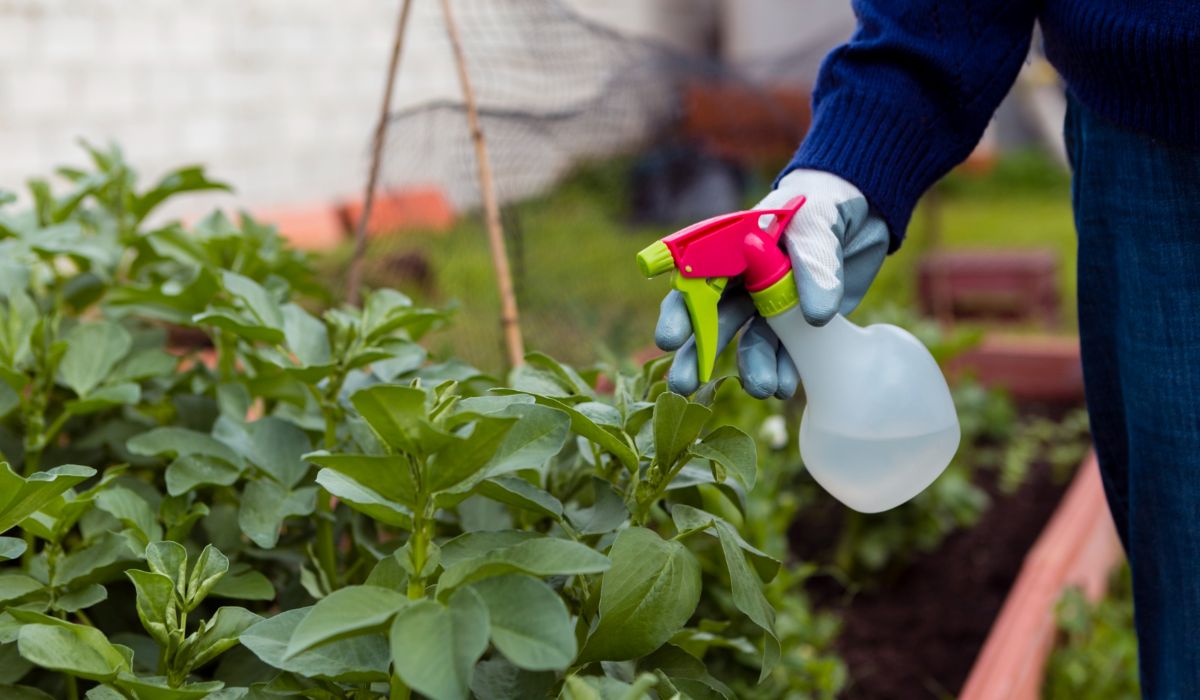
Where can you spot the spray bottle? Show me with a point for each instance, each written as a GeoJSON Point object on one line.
{"type": "Point", "coordinates": [879, 425]}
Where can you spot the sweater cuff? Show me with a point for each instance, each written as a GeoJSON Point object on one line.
{"type": "Point", "coordinates": [889, 154]}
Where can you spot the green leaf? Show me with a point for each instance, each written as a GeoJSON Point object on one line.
{"type": "Point", "coordinates": [169, 559]}
{"type": "Point", "coordinates": [11, 548]}
{"type": "Point", "coordinates": [23, 692]}
{"type": "Point", "coordinates": [180, 442]}
{"type": "Point", "coordinates": [21, 497]}
{"type": "Point", "coordinates": [93, 350]}
{"type": "Point", "coordinates": [158, 688]}
{"type": "Point", "coordinates": [156, 606]}
{"type": "Point", "coordinates": [278, 447]}
{"type": "Point", "coordinates": [9, 399]}
{"type": "Point", "coordinates": [519, 493]}
{"type": "Point", "coordinates": [608, 439]}
{"type": "Point", "coordinates": [567, 377]}
{"type": "Point", "coordinates": [243, 583]}
{"type": "Point", "coordinates": [689, 518]}
{"type": "Point", "coordinates": [364, 500]}
{"type": "Point", "coordinates": [238, 325]}
{"type": "Point", "coordinates": [256, 299]}
{"type": "Point", "coordinates": [106, 397]}
{"type": "Point", "coordinates": [748, 595]}
{"type": "Point", "coordinates": [646, 597]}
{"type": "Point", "coordinates": [16, 329]}
{"type": "Point", "coordinates": [144, 364]}
{"type": "Point", "coordinates": [677, 423]}
{"type": "Point", "coordinates": [435, 647]}
{"type": "Point", "coordinates": [80, 598]}
{"type": "Point", "coordinates": [538, 435]}
{"type": "Point", "coordinates": [390, 476]}
{"type": "Point", "coordinates": [189, 471]}
{"type": "Point", "coordinates": [355, 659]}
{"type": "Point", "coordinates": [465, 455]}
{"type": "Point", "coordinates": [208, 569]}
{"type": "Point", "coordinates": [187, 179]}
{"type": "Point", "coordinates": [607, 512]}
{"type": "Point", "coordinates": [265, 505]}
{"type": "Point", "coordinates": [347, 612]}
{"type": "Point", "coordinates": [497, 679]}
{"type": "Point", "coordinates": [542, 556]}
{"type": "Point", "coordinates": [14, 586]}
{"type": "Point", "coordinates": [104, 557]}
{"type": "Point", "coordinates": [530, 624]}
{"type": "Point", "coordinates": [68, 648]}
{"type": "Point", "coordinates": [306, 336]}
{"type": "Point", "coordinates": [217, 635]}
{"type": "Point", "coordinates": [397, 415]}
{"type": "Point", "coordinates": [132, 510]}
{"type": "Point", "coordinates": [470, 545]}
{"type": "Point", "coordinates": [384, 311]}
{"type": "Point", "coordinates": [732, 449]}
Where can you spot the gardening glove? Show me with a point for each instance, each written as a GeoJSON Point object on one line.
{"type": "Point", "coordinates": [836, 245]}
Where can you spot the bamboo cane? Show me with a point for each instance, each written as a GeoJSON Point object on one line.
{"type": "Point", "coordinates": [487, 186]}
{"type": "Point", "coordinates": [354, 278]}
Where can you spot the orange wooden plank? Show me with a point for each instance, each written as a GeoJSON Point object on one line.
{"type": "Point", "coordinates": [1078, 547]}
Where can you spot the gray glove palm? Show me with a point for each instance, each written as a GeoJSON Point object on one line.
{"type": "Point", "coordinates": [836, 246]}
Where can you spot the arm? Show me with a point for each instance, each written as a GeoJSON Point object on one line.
{"type": "Point", "coordinates": [907, 98]}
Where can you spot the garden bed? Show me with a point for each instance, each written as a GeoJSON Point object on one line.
{"type": "Point", "coordinates": [919, 633]}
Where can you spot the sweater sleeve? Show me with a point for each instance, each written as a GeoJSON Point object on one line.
{"type": "Point", "coordinates": [909, 95]}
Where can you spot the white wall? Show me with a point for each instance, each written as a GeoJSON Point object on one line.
{"type": "Point", "coordinates": [276, 96]}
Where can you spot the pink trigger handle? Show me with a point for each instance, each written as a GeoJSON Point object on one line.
{"type": "Point", "coordinates": [734, 244]}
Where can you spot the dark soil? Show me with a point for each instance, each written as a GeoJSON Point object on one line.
{"type": "Point", "coordinates": [917, 636]}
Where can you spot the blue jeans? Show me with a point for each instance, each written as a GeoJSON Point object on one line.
{"type": "Point", "coordinates": [1137, 212]}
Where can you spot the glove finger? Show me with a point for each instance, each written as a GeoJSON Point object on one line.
{"type": "Point", "coordinates": [732, 313]}
{"type": "Point", "coordinates": [815, 247]}
{"type": "Point", "coordinates": [789, 378]}
{"type": "Point", "coordinates": [757, 363]}
{"type": "Point", "coordinates": [674, 325]}
{"type": "Point", "coordinates": [863, 250]}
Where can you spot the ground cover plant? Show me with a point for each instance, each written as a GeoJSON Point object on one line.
{"type": "Point", "coordinates": [1096, 654]}
{"type": "Point", "coordinates": [306, 504]}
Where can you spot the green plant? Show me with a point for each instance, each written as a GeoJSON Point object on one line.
{"type": "Point", "coordinates": [1061, 443]}
{"type": "Point", "coordinates": [1096, 655]}
{"type": "Point", "coordinates": [392, 525]}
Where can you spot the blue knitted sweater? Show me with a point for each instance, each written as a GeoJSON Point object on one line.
{"type": "Point", "coordinates": [908, 96]}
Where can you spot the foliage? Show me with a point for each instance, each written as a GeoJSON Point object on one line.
{"type": "Point", "coordinates": [386, 524]}
{"type": "Point", "coordinates": [1096, 656]}
{"type": "Point", "coordinates": [1061, 443]}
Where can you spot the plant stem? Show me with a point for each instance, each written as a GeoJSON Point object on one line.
{"type": "Point", "coordinates": [419, 551]}
{"type": "Point", "coordinates": [399, 689]}
{"type": "Point", "coordinates": [688, 533]}
{"type": "Point", "coordinates": [72, 688]}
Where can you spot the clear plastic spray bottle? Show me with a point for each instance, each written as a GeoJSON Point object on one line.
{"type": "Point", "coordinates": [879, 426]}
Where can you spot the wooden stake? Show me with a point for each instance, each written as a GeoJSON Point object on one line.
{"type": "Point", "coordinates": [487, 187]}
{"type": "Point", "coordinates": [354, 279]}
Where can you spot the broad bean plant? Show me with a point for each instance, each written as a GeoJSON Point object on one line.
{"type": "Point", "coordinates": [214, 483]}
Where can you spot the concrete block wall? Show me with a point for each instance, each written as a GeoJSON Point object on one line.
{"type": "Point", "coordinates": [277, 97]}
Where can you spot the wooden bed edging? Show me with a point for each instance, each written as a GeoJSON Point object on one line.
{"type": "Point", "coordinates": [1078, 547]}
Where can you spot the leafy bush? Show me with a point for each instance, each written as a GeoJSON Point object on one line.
{"type": "Point", "coordinates": [1096, 656]}
{"type": "Point", "coordinates": [304, 504]}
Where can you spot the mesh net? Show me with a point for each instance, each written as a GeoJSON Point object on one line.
{"type": "Point", "coordinates": [553, 88]}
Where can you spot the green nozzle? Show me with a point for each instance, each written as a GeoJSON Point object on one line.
{"type": "Point", "coordinates": [655, 259]}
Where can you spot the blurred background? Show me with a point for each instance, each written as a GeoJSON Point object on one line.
{"type": "Point", "coordinates": [610, 124]}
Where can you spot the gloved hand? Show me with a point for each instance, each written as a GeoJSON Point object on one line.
{"type": "Point", "coordinates": [836, 245]}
